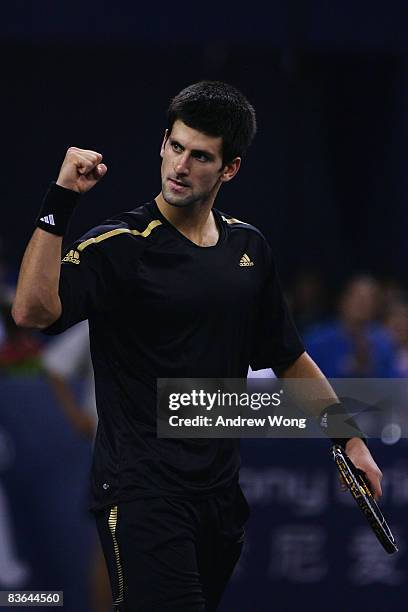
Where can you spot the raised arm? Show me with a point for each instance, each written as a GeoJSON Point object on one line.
{"type": "Point", "coordinates": [37, 303]}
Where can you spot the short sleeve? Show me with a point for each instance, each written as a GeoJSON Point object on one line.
{"type": "Point", "coordinates": [276, 343]}
{"type": "Point", "coordinates": [87, 287]}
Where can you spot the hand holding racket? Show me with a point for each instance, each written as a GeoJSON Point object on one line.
{"type": "Point", "coordinates": [360, 488]}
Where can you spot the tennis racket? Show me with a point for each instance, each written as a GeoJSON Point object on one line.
{"type": "Point", "coordinates": [359, 487]}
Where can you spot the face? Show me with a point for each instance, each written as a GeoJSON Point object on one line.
{"type": "Point", "coordinates": [360, 301]}
{"type": "Point", "coordinates": [192, 169]}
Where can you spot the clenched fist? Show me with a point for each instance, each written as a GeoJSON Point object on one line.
{"type": "Point", "coordinates": [81, 170]}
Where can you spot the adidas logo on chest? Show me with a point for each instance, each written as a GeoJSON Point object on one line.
{"type": "Point", "coordinates": [245, 261]}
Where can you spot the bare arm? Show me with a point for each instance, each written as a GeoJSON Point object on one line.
{"type": "Point", "coordinates": [37, 303]}
{"type": "Point", "coordinates": [305, 367]}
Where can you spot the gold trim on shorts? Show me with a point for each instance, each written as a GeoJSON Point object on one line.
{"type": "Point", "coordinates": [113, 521]}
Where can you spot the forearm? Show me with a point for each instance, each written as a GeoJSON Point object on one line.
{"type": "Point", "coordinates": [37, 303]}
{"type": "Point", "coordinates": [317, 393]}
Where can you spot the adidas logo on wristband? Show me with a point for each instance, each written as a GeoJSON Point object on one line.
{"type": "Point", "coordinates": [48, 219]}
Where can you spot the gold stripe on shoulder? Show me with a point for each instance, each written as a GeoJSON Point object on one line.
{"type": "Point", "coordinates": [146, 232]}
{"type": "Point", "coordinates": [232, 220]}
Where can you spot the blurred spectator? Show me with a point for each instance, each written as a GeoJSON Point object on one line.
{"type": "Point", "coordinates": [354, 345]}
{"type": "Point", "coordinates": [391, 292]}
{"type": "Point", "coordinates": [19, 349]}
{"type": "Point", "coordinates": [65, 357]}
{"type": "Point", "coordinates": [68, 356]}
{"type": "Point", "coordinates": [396, 321]}
{"type": "Point", "coordinates": [307, 300]}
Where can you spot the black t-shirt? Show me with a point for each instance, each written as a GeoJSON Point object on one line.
{"type": "Point", "coordinates": [160, 306]}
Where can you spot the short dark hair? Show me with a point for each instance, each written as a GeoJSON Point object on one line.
{"type": "Point", "coordinates": [216, 109]}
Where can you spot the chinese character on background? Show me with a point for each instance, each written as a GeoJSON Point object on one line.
{"type": "Point", "coordinates": [297, 554]}
{"type": "Point", "coordinates": [370, 563]}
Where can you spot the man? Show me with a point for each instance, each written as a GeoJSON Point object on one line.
{"type": "Point", "coordinates": [171, 289]}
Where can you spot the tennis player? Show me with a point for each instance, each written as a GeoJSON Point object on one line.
{"type": "Point", "coordinates": [172, 288]}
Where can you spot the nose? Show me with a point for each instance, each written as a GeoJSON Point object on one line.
{"type": "Point", "coordinates": [181, 165]}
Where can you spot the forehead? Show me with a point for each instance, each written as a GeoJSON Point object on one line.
{"type": "Point", "coordinates": [192, 139]}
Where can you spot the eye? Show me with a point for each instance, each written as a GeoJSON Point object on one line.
{"type": "Point", "coordinates": [176, 147]}
{"type": "Point", "coordinates": [201, 157]}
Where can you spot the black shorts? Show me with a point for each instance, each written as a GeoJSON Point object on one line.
{"type": "Point", "coordinates": [170, 554]}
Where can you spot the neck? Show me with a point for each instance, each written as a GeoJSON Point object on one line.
{"type": "Point", "coordinates": [196, 222]}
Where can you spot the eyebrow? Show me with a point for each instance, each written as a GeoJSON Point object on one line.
{"type": "Point", "coordinates": [207, 154]}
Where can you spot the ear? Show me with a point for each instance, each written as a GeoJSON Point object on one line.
{"type": "Point", "coordinates": [165, 139]}
{"type": "Point", "coordinates": [230, 170]}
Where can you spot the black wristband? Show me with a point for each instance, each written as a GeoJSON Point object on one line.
{"type": "Point", "coordinates": [339, 425]}
{"type": "Point", "coordinates": [56, 210]}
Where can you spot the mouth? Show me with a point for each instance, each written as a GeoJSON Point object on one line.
{"type": "Point", "coordinates": [177, 185]}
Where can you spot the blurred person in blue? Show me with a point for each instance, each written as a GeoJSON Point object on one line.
{"type": "Point", "coordinates": [65, 358]}
{"type": "Point", "coordinates": [172, 289]}
{"type": "Point", "coordinates": [355, 344]}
